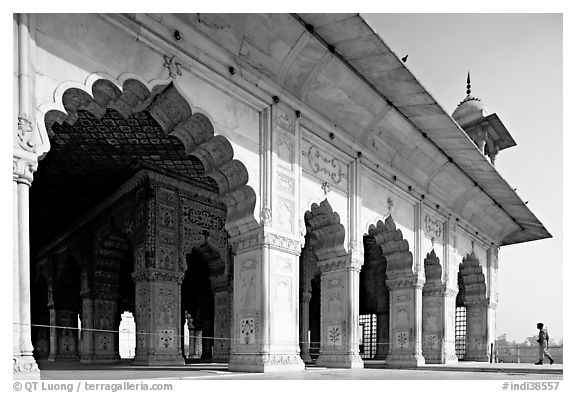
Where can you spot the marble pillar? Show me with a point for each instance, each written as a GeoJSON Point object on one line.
{"type": "Point", "coordinates": [339, 336]}
{"type": "Point", "coordinates": [157, 317]}
{"type": "Point", "coordinates": [24, 367]}
{"type": "Point", "coordinates": [265, 313]}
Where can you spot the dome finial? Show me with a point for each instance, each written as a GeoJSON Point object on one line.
{"type": "Point", "coordinates": [468, 91]}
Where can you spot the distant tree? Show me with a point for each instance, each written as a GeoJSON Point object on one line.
{"type": "Point", "coordinates": [502, 342]}
{"type": "Point", "coordinates": [530, 341]}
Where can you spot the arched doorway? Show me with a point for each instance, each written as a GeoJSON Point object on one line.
{"type": "Point", "coordinates": [473, 296]}
{"type": "Point", "coordinates": [107, 134]}
{"type": "Point", "coordinates": [374, 297]}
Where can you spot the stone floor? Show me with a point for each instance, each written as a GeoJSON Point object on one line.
{"type": "Point", "coordinates": [373, 370]}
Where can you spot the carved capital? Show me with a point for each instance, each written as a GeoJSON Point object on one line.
{"type": "Point", "coordinates": [23, 169]}
{"type": "Point", "coordinates": [404, 281]}
{"type": "Point", "coordinates": [340, 263]}
{"type": "Point", "coordinates": [247, 241]}
{"type": "Point", "coordinates": [266, 216]}
{"type": "Point", "coordinates": [150, 275]}
{"type": "Point", "coordinates": [283, 243]}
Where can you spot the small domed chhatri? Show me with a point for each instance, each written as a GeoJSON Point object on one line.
{"type": "Point", "coordinates": [487, 131]}
{"type": "Point", "coordinates": [470, 108]}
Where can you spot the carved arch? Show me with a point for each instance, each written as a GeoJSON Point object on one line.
{"type": "Point", "coordinates": [173, 111]}
{"type": "Point", "coordinates": [473, 280]}
{"type": "Point", "coordinates": [214, 258]}
{"type": "Point", "coordinates": [432, 268]}
{"type": "Point", "coordinates": [325, 231]}
{"type": "Point", "coordinates": [394, 247]}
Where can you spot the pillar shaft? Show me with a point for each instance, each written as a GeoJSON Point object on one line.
{"type": "Point", "coordinates": [339, 339]}
{"type": "Point", "coordinates": [405, 321]}
{"type": "Point", "coordinates": [100, 339]}
{"type": "Point", "coordinates": [63, 335]}
{"type": "Point", "coordinates": [437, 330]}
{"type": "Point", "coordinates": [265, 314]}
{"type": "Point", "coordinates": [222, 329]}
{"type": "Point", "coordinates": [382, 335]}
{"type": "Point", "coordinates": [25, 366]}
{"type": "Point", "coordinates": [157, 318]}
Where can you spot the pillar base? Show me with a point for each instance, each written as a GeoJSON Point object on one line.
{"type": "Point", "coordinates": [266, 363]}
{"type": "Point", "coordinates": [405, 360]}
{"type": "Point", "coordinates": [25, 367]}
{"type": "Point", "coordinates": [440, 359]}
{"type": "Point", "coordinates": [158, 360]}
{"type": "Point", "coordinates": [477, 357]}
{"type": "Point", "coordinates": [306, 358]}
{"type": "Point", "coordinates": [340, 361]}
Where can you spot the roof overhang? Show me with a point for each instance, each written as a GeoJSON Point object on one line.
{"type": "Point", "coordinates": [344, 72]}
{"type": "Point", "coordinates": [390, 77]}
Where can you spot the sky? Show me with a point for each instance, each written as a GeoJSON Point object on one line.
{"type": "Point", "coordinates": [515, 65]}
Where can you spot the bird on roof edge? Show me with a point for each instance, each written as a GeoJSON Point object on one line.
{"type": "Point", "coordinates": [405, 58]}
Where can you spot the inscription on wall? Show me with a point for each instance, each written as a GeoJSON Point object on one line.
{"type": "Point", "coordinates": [324, 166]}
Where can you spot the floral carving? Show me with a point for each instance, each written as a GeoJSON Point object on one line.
{"type": "Point", "coordinates": [402, 339]}
{"type": "Point", "coordinates": [335, 335]}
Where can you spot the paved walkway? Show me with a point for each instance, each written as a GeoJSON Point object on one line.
{"type": "Point", "coordinates": [373, 370]}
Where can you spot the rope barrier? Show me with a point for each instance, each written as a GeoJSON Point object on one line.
{"type": "Point", "coordinates": [83, 329]}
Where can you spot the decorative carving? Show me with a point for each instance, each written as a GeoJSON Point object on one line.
{"type": "Point", "coordinates": [286, 184]}
{"type": "Point", "coordinates": [157, 275]}
{"type": "Point", "coordinates": [433, 227]}
{"type": "Point", "coordinates": [285, 151]}
{"type": "Point", "coordinates": [247, 331]}
{"type": "Point", "coordinates": [326, 166]}
{"type": "Point", "coordinates": [23, 170]}
{"type": "Point", "coordinates": [286, 215]}
{"type": "Point", "coordinates": [431, 341]}
{"type": "Point", "coordinates": [166, 338]}
{"type": "Point", "coordinates": [285, 122]}
{"type": "Point", "coordinates": [283, 243]}
{"type": "Point", "coordinates": [283, 295]}
{"type": "Point", "coordinates": [402, 340]}
{"type": "Point", "coordinates": [334, 335]}
{"type": "Point", "coordinates": [266, 216]}
{"type": "Point", "coordinates": [173, 66]}
{"type": "Point", "coordinates": [26, 135]}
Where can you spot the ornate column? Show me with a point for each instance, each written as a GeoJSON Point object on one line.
{"type": "Point", "coordinates": [24, 165]}
{"type": "Point", "coordinates": [158, 275]}
{"type": "Point", "coordinates": [157, 317]}
{"type": "Point", "coordinates": [340, 289]}
{"type": "Point", "coordinates": [405, 298]}
{"type": "Point", "coordinates": [99, 327]}
{"type": "Point", "coordinates": [436, 300]}
{"type": "Point", "coordinates": [339, 340]}
{"type": "Point", "coordinates": [222, 329]}
{"type": "Point", "coordinates": [477, 310]}
{"type": "Point", "coordinates": [265, 316]}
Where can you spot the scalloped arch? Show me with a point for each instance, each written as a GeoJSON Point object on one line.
{"type": "Point", "coordinates": [395, 248]}
{"type": "Point", "coordinates": [173, 111]}
{"type": "Point", "coordinates": [326, 232]}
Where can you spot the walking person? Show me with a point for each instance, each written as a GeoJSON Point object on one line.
{"type": "Point", "coordinates": [543, 344]}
